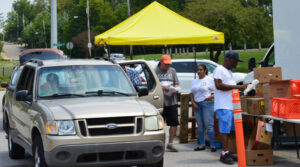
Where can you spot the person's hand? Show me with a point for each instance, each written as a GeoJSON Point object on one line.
{"type": "Point", "coordinates": [195, 106]}
{"type": "Point", "coordinates": [243, 87]}
{"type": "Point", "coordinates": [174, 93]}
{"type": "Point", "coordinates": [165, 88]}
{"type": "Point", "coordinates": [208, 99]}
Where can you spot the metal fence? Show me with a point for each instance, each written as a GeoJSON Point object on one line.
{"type": "Point", "coordinates": [6, 71]}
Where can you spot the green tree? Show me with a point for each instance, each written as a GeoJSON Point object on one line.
{"type": "Point", "coordinates": [37, 33]}
{"type": "Point", "coordinates": [102, 17]}
{"type": "Point", "coordinates": [241, 23]}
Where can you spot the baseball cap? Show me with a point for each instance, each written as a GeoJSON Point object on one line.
{"type": "Point", "coordinates": [233, 55]}
{"type": "Point", "coordinates": [166, 59]}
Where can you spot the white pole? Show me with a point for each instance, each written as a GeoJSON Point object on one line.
{"type": "Point", "coordinates": [88, 24]}
{"type": "Point", "coordinates": [53, 24]}
{"type": "Point", "coordinates": [129, 14]}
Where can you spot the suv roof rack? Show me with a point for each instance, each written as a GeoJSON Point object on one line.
{"type": "Point", "coordinates": [37, 61]}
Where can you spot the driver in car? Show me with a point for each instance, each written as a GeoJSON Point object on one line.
{"type": "Point", "coordinates": [50, 86]}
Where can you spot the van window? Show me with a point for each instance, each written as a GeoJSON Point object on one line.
{"type": "Point", "coordinates": [271, 60]}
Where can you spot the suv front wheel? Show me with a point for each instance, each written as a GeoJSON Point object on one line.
{"type": "Point", "coordinates": [38, 152]}
{"type": "Point", "coordinates": [15, 151]}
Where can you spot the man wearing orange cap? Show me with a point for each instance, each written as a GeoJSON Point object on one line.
{"type": "Point", "coordinates": [168, 79]}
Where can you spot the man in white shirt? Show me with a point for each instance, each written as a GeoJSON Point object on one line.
{"type": "Point", "coordinates": [224, 83]}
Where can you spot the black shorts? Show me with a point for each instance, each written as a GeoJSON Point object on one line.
{"type": "Point", "coordinates": [170, 114]}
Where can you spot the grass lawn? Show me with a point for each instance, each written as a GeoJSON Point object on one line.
{"type": "Point", "coordinates": [242, 66]}
{"type": "Point", "coordinates": [6, 68]}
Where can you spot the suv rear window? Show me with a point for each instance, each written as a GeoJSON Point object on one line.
{"type": "Point", "coordinates": [40, 55]}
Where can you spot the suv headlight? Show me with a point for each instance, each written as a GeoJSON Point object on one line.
{"type": "Point", "coordinates": [153, 123]}
{"type": "Point", "coordinates": [65, 127]}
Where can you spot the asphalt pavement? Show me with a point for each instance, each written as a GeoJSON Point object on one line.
{"type": "Point", "coordinates": [12, 50]}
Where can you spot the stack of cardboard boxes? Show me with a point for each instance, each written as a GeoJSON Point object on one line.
{"type": "Point", "coordinates": [270, 86]}
{"type": "Point", "coordinates": [258, 150]}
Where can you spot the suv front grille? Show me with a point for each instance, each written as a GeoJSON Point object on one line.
{"type": "Point", "coordinates": [110, 126]}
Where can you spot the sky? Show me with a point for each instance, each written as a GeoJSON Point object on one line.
{"type": "Point", "coordinates": [5, 7]}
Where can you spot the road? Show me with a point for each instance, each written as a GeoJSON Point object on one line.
{"type": "Point", "coordinates": [12, 50]}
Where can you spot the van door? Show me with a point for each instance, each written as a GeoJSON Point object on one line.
{"type": "Point", "coordinates": [150, 80]}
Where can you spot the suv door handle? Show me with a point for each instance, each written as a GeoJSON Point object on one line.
{"type": "Point", "coordinates": [155, 97]}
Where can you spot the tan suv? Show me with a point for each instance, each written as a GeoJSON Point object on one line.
{"type": "Point", "coordinates": [83, 113]}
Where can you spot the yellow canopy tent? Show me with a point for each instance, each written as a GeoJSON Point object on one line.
{"type": "Point", "coordinates": [158, 25]}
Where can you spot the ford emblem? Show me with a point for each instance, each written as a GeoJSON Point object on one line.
{"type": "Point", "coordinates": [111, 126]}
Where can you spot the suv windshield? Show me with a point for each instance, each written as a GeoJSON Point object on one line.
{"type": "Point", "coordinates": [68, 81]}
{"type": "Point", "coordinates": [40, 55]}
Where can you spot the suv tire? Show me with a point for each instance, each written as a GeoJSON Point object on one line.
{"type": "Point", "coordinates": [15, 151]}
{"type": "Point", "coordinates": [38, 152]}
{"type": "Point", "coordinates": [158, 164]}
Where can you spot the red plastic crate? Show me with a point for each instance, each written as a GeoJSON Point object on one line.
{"type": "Point", "coordinates": [275, 107]}
{"type": "Point", "coordinates": [295, 89]}
{"type": "Point", "coordinates": [289, 108]}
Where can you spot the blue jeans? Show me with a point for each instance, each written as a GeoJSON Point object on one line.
{"type": "Point", "coordinates": [205, 120]}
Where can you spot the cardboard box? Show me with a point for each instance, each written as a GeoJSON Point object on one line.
{"type": "Point", "coordinates": [232, 144]}
{"type": "Point", "coordinates": [256, 106]}
{"type": "Point", "coordinates": [265, 74]}
{"type": "Point", "coordinates": [248, 125]}
{"type": "Point", "coordinates": [244, 102]}
{"type": "Point", "coordinates": [262, 135]}
{"type": "Point", "coordinates": [262, 155]}
{"type": "Point", "coordinates": [275, 88]}
{"type": "Point", "coordinates": [259, 90]}
{"type": "Point", "coordinates": [259, 157]}
{"type": "Point", "coordinates": [255, 142]}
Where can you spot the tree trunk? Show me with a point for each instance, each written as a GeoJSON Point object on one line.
{"type": "Point", "coordinates": [230, 46]}
{"type": "Point", "coordinates": [131, 52]}
{"type": "Point", "coordinates": [245, 46]}
{"type": "Point", "coordinates": [259, 46]}
{"type": "Point", "coordinates": [211, 54]}
{"type": "Point", "coordinates": [216, 59]}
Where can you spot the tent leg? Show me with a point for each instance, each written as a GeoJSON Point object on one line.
{"type": "Point", "coordinates": [195, 57]}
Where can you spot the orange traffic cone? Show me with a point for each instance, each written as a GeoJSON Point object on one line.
{"type": "Point", "coordinates": [238, 123]}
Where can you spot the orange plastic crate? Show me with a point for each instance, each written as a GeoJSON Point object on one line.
{"type": "Point", "coordinates": [295, 89]}
{"type": "Point", "coordinates": [289, 108]}
{"type": "Point", "coordinates": [275, 107]}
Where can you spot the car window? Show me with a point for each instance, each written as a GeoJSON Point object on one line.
{"type": "Point", "coordinates": [145, 75]}
{"type": "Point", "coordinates": [22, 80]}
{"type": "Point", "coordinates": [40, 55]}
{"type": "Point", "coordinates": [184, 67]}
{"type": "Point", "coordinates": [26, 80]}
{"type": "Point", "coordinates": [210, 67]}
{"type": "Point", "coordinates": [15, 77]}
{"type": "Point", "coordinates": [30, 81]}
{"type": "Point", "coordinates": [82, 79]}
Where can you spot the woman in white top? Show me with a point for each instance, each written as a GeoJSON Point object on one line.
{"type": "Point", "coordinates": [202, 100]}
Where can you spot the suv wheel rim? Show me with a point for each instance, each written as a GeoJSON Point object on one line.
{"type": "Point", "coordinates": [36, 158]}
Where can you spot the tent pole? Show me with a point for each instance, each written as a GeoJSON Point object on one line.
{"type": "Point", "coordinates": [195, 69]}
{"type": "Point", "coordinates": [108, 49]}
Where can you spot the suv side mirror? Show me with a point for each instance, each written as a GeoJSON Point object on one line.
{"type": "Point", "coordinates": [142, 90]}
{"type": "Point", "coordinates": [22, 95]}
{"type": "Point", "coordinates": [4, 84]}
{"type": "Point", "coordinates": [251, 63]}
